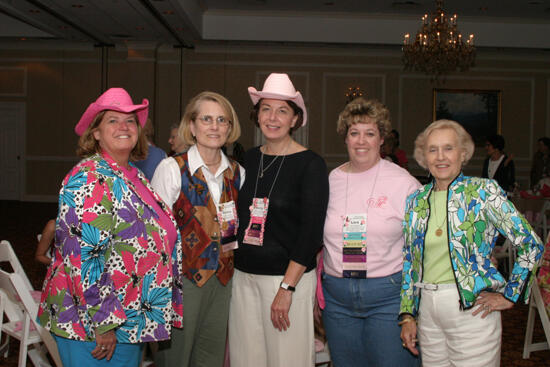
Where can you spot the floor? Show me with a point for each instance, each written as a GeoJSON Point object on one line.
{"type": "Point", "coordinates": [21, 221]}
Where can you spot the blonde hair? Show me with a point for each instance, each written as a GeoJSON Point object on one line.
{"type": "Point", "coordinates": [358, 109]}
{"type": "Point", "coordinates": [192, 109]}
{"type": "Point", "coordinates": [88, 145]}
{"type": "Point", "coordinates": [464, 140]}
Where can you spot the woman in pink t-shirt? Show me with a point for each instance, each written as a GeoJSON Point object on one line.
{"type": "Point", "coordinates": [363, 239]}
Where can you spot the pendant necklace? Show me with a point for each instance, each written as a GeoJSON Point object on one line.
{"type": "Point", "coordinates": [439, 230]}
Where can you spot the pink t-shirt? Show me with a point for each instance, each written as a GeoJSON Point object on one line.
{"type": "Point", "coordinates": [386, 209]}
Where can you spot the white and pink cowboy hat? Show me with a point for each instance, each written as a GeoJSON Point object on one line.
{"type": "Point", "coordinates": [279, 86]}
{"type": "Point", "coordinates": [114, 99]}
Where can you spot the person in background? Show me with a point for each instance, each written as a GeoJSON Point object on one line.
{"type": "Point", "coordinates": [45, 244]}
{"type": "Point", "coordinates": [399, 153]}
{"type": "Point", "coordinates": [363, 238]}
{"type": "Point", "coordinates": [154, 153]}
{"type": "Point", "coordinates": [450, 286]}
{"type": "Point", "coordinates": [177, 145]}
{"type": "Point", "coordinates": [387, 149]}
{"type": "Point", "coordinates": [281, 210]}
{"type": "Point", "coordinates": [202, 187]}
{"type": "Point", "coordinates": [540, 167]}
{"type": "Point", "coordinates": [114, 282]}
{"type": "Point", "coordinates": [497, 165]}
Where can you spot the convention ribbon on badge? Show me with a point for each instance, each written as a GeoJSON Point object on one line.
{"type": "Point", "coordinates": [354, 251]}
{"type": "Point", "coordinates": [254, 233]}
{"type": "Point", "coordinates": [229, 224]}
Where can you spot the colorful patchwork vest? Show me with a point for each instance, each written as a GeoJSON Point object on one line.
{"type": "Point", "coordinates": [196, 216]}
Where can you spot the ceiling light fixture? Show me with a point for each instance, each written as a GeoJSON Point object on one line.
{"type": "Point", "coordinates": [438, 47]}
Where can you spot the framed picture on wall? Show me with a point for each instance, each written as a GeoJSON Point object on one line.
{"type": "Point", "coordinates": [478, 111]}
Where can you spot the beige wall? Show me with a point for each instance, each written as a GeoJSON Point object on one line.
{"type": "Point", "coordinates": [57, 84]}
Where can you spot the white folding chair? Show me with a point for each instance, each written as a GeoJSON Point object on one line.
{"type": "Point", "coordinates": [14, 292]}
{"type": "Point", "coordinates": [536, 305]}
{"type": "Point", "coordinates": [8, 255]}
{"type": "Point", "coordinates": [12, 311]}
{"type": "Point", "coordinates": [17, 304]}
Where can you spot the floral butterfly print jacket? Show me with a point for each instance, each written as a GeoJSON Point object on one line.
{"type": "Point", "coordinates": [113, 266]}
{"type": "Point", "coordinates": [477, 211]}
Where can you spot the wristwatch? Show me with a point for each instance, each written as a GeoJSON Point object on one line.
{"type": "Point", "coordinates": [288, 287]}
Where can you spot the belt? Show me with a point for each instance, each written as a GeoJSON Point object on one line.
{"type": "Point", "coordinates": [434, 287]}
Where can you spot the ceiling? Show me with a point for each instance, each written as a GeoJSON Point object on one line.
{"type": "Point", "coordinates": [496, 23]}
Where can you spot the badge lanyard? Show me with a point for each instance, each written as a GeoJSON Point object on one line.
{"type": "Point", "coordinates": [354, 238]}
{"type": "Point", "coordinates": [254, 233]}
{"type": "Point", "coordinates": [229, 224]}
{"type": "Point", "coordinates": [226, 215]}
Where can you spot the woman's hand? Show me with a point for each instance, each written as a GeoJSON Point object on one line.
{"type": "Point", "coordinates": [280, 308]}
{"type": "Point", "coordinates": [408, 335]}
{"type": "Point", "coordinates": [105, 345]}
{"type": "Point", "coordinates": [489, 302]}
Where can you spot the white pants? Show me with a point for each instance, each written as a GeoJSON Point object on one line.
{"type": "Point", "coordinates": [451, 337]}
{"type": "Point", "coordinates": [253, 340]}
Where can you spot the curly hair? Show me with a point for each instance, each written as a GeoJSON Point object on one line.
{"type": "Point", "coordinates": [88, 145]}
{"type": "Point", "coordinates": [464, 140]}
{"type": "Point", "coordinates": [358, 109]}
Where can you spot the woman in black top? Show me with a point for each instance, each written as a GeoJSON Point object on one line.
{"type": "Point", "coordinates": [281, 210]}
{"type": "Point", "coordinates": [497, 165]}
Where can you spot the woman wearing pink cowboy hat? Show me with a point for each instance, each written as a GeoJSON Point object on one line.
{"type": "Point", "coordinates": [114, 282]}
{"type": "Point", "coordinates": [281, 210]}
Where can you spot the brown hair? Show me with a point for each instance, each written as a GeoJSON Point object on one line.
{"type": "Point", "coordinates": [192, 109]}
{"type": "Point", "coordinates": [356, 110]}
{"type": "Point", "coordinates": [297, 111]}
{"type": "Point", "coordinates": [88, 145]}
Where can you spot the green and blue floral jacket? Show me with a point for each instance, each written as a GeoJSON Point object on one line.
{"type": "Point", "coordinates": [477, 210]}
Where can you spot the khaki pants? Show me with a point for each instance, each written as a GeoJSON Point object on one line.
{"type": "Point", "coordinates": [253, 341]}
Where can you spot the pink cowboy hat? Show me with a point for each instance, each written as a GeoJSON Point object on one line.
{"type": "Point", "coordinates": [279, 86]}
{"type": "Point", "coordinates": [114, 99]}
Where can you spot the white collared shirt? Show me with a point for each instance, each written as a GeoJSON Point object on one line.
{"type": "Point", "coordinates": [493, 165]}
{"type": "Point", "coordinates": [167, 178]}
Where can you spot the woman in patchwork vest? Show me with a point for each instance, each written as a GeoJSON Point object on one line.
{"type": "Point", "coordinates": [201, 185]}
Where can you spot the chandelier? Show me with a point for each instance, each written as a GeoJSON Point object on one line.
{"type": "Point", "coordinates": [352, 93]}
{"type": "Point", "coordinates": [438, 47]}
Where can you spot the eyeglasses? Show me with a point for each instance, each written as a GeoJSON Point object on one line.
{"type": "Point", "coordinates": [209, 120]}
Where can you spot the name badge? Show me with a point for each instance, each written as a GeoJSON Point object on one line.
{"type": "Point", "coordinates": [254, 233]}
{"type": "Point", "coordinates": [354, 250]}
{"type": "Point", "coordinates": [229, 224]}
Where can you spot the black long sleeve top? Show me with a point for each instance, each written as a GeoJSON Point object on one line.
{"type": "Point", "coordinates": [505, 175]}
{"type": "Point", "coordinates": [296, 213]}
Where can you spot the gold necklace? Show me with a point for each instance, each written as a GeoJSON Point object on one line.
{"type": "Point", "coordinates": [439, 230]}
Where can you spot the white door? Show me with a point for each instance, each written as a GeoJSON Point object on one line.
{"type": "Point", "coordinates": [12, 122]}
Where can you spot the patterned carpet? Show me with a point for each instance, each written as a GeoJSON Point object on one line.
{"type": "Point", "coordinates": [21, 222]}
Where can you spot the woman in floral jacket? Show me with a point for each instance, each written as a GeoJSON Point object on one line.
{"type": "Point", "coordinates": [115, 280]}
{"type": "Point", "coordinates": [451, 226]}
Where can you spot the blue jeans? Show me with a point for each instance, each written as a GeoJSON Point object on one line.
{"type": "Point", "coordinates": [360, 318]}
{"type": "Point", "coordinates": [76, 353]}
